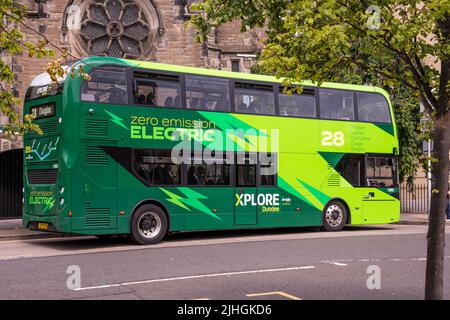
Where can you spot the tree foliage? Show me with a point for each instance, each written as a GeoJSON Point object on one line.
{"type": "Point", "coordinates": [12, 20]}
{"type": "Point", "coordinates": [407, 51]}
{"type": "Point", "coordinates": [314, 40]}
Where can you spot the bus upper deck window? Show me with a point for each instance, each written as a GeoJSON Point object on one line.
{"type": "Point", "coordinates": [207, 93]}
{"type": "Point", "coordinates": [297, 105]}
{"type": "Point", "coordinates": [107, 85]}
{"type": "Point", "coordinates": [336, 104]}
{"type": "Point", "coordinates": [157, 90]}
{"type": "Point", "coordinates": [254, 99]}
{"type": "Point", "coordinates": [373, 107]}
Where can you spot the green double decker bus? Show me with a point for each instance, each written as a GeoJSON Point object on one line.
{"type": "Point", "coordinates": [147, 149]}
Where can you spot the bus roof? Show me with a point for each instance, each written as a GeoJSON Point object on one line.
{"type": "Point", "coordinates": [98, 61]}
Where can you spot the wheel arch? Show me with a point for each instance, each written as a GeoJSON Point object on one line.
{"type": "Point", "coordinates": [349, 214]}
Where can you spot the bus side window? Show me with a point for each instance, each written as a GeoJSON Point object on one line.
{"type": "Point", "coordinates": [268, 168]}
{"type": "Point", "coordinates": [254, 99]}
{"type": "Point", "coordinates": [209, 172]}
{"type": "Point", "coordinates": [246, 170]}
{"type": "Point", "coordinates": [207, 93]}
{"type": "Point", "coordinates": [336, 104]}
{"type": "Point", "coordinates": [298, 105]}
{"type": "Point", "coordinates": [157, 90]}
{"type": "Point", "coordinates": [380, 172]}
{"type": "Point", "coordinates": [351, 168]}
{"type": "Point", "coordinates": [155, 167]}
{"type": "Point", "coordinates": [106, 85]}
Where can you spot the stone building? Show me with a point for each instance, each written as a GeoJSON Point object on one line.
{"type": "Point", "coordinates": [153, 30]}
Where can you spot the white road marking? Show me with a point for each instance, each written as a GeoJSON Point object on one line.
{"type": "Point", "coordinates": [340, 262]}
{"type": "Point", "coordinates": [274, 293]}
{"type": "Point", "coordinates": [336, 263]}
{"type": "Point", "coordinates": [16, 249]}
{"type": "Point", "coordinates": [225, 274]}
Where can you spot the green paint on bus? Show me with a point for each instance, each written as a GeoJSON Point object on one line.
{"type": "Point", "coordinates": [111, 141]}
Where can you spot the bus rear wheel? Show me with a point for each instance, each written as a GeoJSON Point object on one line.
{"type": "Point", "coordinates": [148, 225]}
{"type": "Point", "coordinates": [334, 216]}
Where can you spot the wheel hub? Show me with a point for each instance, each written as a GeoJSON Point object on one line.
{"type": "Point", "coordinates": [150, 225]}
{"type": "Point", "coordinates": [334, 215]}
{"type": "Point", "coordinates": [147, 224]}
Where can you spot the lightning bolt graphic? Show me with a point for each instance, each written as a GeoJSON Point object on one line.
{"type": "Point", "coordinates": [175, 199]}
{"type": "Point", "coordinates": [49, 205]}
{"type": "Point", "coordinates": [117, 120]}
{"type": "Point", "coordinates": [192, 199]}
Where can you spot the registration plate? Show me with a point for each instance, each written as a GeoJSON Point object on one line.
{"type": "Point", "coordinates": [42, 226]}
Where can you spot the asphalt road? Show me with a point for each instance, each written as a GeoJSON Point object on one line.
{"type": "Point", "coordinates": [259, 264]}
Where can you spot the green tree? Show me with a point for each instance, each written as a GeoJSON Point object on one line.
{"type": "Point", "coordinates": [315, 39]}
{"type": "Point", "coordinates": [12, 19]}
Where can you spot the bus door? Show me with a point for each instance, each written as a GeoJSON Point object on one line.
{"type": "Point", "coordinates": [380, 178]}
{"type": "Point", "coordinates": [246, 193]}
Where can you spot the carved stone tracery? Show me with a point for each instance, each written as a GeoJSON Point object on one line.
{"type": "Point", "coordinates": [117, 28]}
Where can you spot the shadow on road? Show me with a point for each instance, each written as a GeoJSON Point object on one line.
{"type": "Point", "coordinates": [72, 243]}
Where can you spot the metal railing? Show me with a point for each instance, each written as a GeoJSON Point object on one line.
{"type": "Point", "coordinates": [414, 198]}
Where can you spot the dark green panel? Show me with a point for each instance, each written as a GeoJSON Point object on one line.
{"type": "Point", "coordinates": [94, 187]}
{"type": "Point", "coordinates": [332, 158]}
{"type": "Point", "coordinates": [246, 208]}
{"type": "Point", "coordinates": [389, 128]}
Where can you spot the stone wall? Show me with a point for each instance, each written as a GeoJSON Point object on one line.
{"type": "Point", "coordinates": [174, 43]}
{"type": "Point", "coordinates": [171, 41]}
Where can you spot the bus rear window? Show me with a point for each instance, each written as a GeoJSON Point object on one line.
{"type": "Point", "coordinates": [42, 86]}
{"type": "Point", "coordinates": [107, 85]}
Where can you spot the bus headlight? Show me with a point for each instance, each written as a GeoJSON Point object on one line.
{"type": "Point", "coordinates": [61, 190]}
{"type": "Point", "coordinates": [61, 202]}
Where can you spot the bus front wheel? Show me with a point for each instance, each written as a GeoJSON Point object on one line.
{"type": "Point", "coordinates": [334, 216]}
{"type": "Point", "coordinates": [148, 225]}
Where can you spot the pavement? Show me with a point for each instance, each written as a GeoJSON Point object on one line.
{"type": "Point", "coordinates": [365, 262]}
{"type": "Point", "coordinates": [12, 229]}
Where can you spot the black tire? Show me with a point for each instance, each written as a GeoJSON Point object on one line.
{"type": "Point", "coordinates": [148, 225]}
{"type": "Point", "coordinates": [334, 216]}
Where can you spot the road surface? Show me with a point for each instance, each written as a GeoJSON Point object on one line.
{"type": "Point", "coordinates": [298, 263]}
